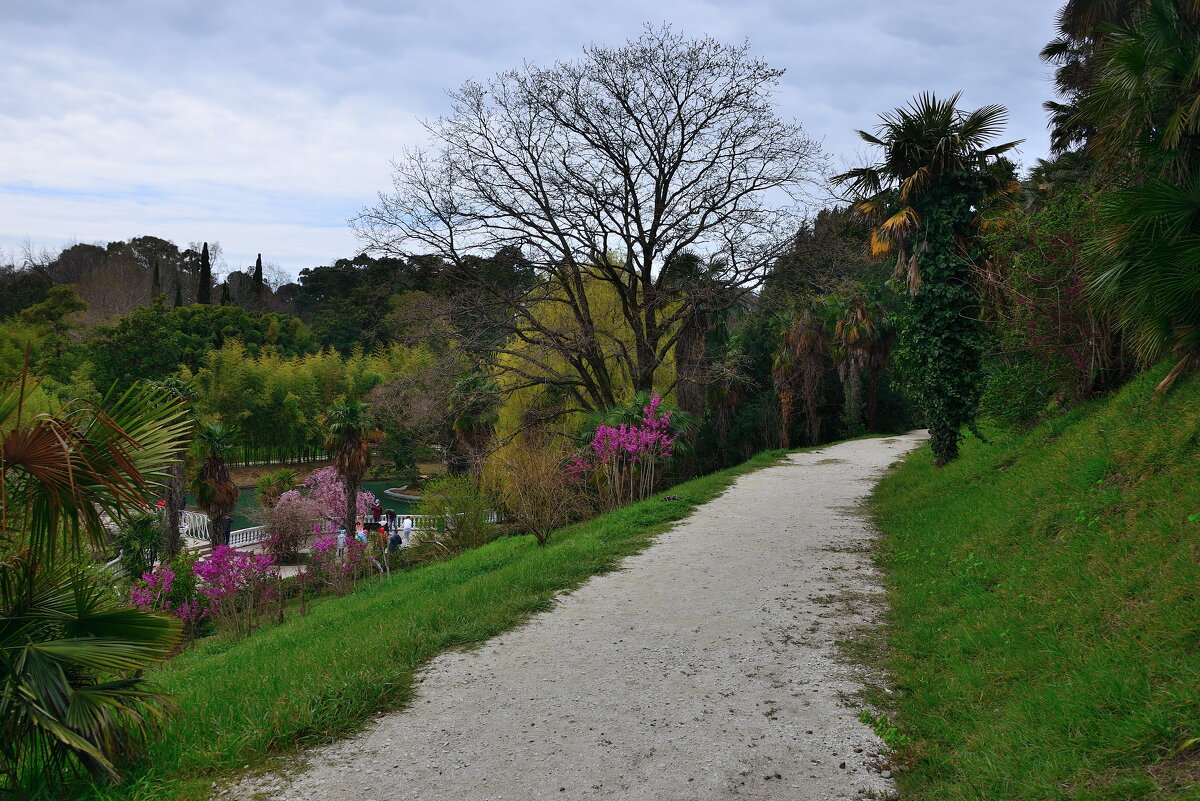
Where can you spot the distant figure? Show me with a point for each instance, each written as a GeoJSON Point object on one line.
{"type": "Point", "coordinates": [408, 526]}
{"type": "Point", "coordinates": [341, 542]}
{"type": "Point", "coordinates": [376, 510]}
{"type": "Point", "coordinates": [394, 541]}
{"type": "Point", "coordinates": [391, 519]}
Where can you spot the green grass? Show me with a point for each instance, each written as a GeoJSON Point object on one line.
{"type": "Point", "coordinates": [316, 678]}
{"type": "Point", "coordinates": [1044, 632]}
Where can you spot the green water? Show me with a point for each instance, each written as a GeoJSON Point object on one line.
{"type": "Point", "coordinates": [245, 504]}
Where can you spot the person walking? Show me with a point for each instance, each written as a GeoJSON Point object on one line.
{"type": "Point", "coordinates": [408, 529]}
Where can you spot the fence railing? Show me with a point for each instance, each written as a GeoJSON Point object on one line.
{"type": "Point", "coordinates": [194, 525]}
{"type": "Point", "coordinates": [247, 536]}
{"type": "Point", "coordinates": [198, 528]}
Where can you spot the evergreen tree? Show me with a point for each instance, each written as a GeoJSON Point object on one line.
{"type": "Point", "coordinates": [156, 282]}
{"type": "Point", "coordinates": [224, 293]}
{"type": "Point", "coordinates": [178, 289]}
{"type": "Point", "coordinates": [258, 276]}
{"type": "Point", "coordinates": [202, 291]}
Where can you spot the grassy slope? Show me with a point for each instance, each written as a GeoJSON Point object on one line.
{"type": "Point", "coordinates": [1045, 631]}
{"type": "Point", "coordinates": [319, 677]}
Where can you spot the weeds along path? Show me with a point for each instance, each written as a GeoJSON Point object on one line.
{"type": "Point", "coordinates": [707, 668]}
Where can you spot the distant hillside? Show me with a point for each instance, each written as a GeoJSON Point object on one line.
{"type": "Point", "coordinates": [1045, 630]}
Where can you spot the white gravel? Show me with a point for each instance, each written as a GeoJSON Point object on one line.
{"type": "Point", "coordinates": [707, 668]}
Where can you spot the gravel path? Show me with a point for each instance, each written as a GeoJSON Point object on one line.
{"type": "Point", "coordinates": [706, 669]}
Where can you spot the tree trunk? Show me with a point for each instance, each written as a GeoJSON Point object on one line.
{"type": "Point", "coordinates": [351, 484]}
{"type": "Point", "coordinates": [171, 539]}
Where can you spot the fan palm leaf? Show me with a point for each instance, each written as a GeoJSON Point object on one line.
{"type": "Point", "coordinates": [66, 642]}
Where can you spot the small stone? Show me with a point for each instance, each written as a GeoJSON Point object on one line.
{"type": "Point", "coordinates": [887, 774]}
{"type": "Point", "coordinates": [842, 766]}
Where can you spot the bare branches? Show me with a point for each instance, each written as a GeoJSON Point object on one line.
{"type": "Point", "coordinates": [604, 171]}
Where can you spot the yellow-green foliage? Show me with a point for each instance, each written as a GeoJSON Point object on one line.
{"type": "Point", "coordinates": [523, 357]}
{"type": "Point", "coordinates": [283, 400]}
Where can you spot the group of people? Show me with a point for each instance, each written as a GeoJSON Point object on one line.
{"type": "Point", "coordinates": [391, 531]}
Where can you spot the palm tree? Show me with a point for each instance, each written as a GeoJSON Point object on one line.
{"type": "Point", "coordinates": [850, 346]}
{"type": "Point", "coordinates": [173, 493]}
{"type": "Point", "coordinates": [935, 188]}
{"type": "Point", "coordinates": [474, 409]}
{"type": "Point", "coordinates": [804, 347]}
{"type": "Point", "coordinates": [272, 485]}
{"type": "Point", "coordinates": [71, 654]}
{"type": "Point", "coordinates": [1145, 103]}
{"type": "Point", "coordinates": [215, 491]}
{"type": "Point", "coordinates": [348, 428]}
{"type": "Point", "coordinates": [1083, 27]}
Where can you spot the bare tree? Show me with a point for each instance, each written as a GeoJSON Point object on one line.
{"type": "Point", "coordinates": [606, 172]}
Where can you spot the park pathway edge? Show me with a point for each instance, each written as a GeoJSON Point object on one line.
{"type": "Point", "coordinates": [706, 668]}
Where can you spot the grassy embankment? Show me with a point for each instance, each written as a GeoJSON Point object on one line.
{"type": "Point", "coordinates": [1045, 627]}
{"type": "Point", "coordinates": [315, 678]}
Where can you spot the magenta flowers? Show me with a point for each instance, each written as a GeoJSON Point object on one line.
{"type": "Point", "coordinates": [624, 457]}
{"type": "Point", "coordinates": [236, 585]}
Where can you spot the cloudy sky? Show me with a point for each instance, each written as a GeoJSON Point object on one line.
{"type": "Point", "coordinates": [265, 124]}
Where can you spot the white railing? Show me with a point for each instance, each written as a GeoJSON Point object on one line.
{"type": "Point", "coordinates": [194, 525]}
{"type": "Point", "coordinates": [436, 522]}
{"type": "Point", "coordinates": [247, 536]}
{"type": "Point", "coordinates": [197, 527]}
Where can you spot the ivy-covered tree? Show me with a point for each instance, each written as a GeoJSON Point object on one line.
{"type": "Point", "coordinates": [926, 199]}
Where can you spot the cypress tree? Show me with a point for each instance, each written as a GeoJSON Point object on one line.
{"type": "Point", "coordinates": [203, 290]}
{"type": "Point", "coordinates": [178, 289]}
{"type": "Point", "coordinates": [156, 282]}
{"type": "Point", "coordinates": [224, 293]}
{"type": "Point", "coordinates": [258, 279]}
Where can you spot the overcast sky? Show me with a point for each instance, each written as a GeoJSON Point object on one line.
{"type": "Point", "coordinates": [265, 124]}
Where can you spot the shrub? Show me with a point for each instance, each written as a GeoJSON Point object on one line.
{"type": "Point", "coordinates": [339, 571]}
{"type": "Point", "coordinates": [622, 459]}
{"type": "Point", "coordinates": [289, 525]}
{"type": "Point", "coordinates": [172, 588]}
{"type": "Point", "coordinates": [463, 510]}
{"type": "Point", "coordinates": [535, 488]}
{"type": "Point", "coordinates": [139, 540]}
{"type": "Point", "coordinates": [273, 485]}
{"type": "Point", "coordinates": [237, 586]}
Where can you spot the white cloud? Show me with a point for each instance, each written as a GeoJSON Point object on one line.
{"type": "Point", "coordinates": [264, 125]}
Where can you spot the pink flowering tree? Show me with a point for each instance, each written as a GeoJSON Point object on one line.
{"type": "Point", "coordinates": [624, 457]}
{"type": "Point", "coordinates": [237, 585]}
{"type": "Point", "coordinates": [290, 523]}
{"type": "Point", "coordinates": [326, 487]}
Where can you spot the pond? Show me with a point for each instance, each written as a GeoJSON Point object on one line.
{"type": "Point", "coordinates": [245, 504]}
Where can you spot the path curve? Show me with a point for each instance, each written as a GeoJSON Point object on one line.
{"type": "Point", "coordinates": [706, 668]}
